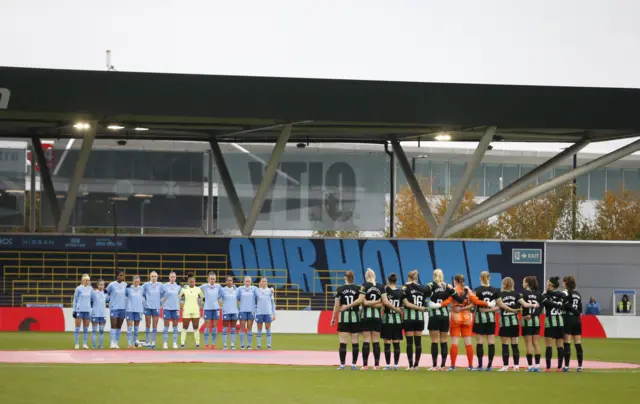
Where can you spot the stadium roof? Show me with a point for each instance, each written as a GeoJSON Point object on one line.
{"type": "Point", "coordinates": [46, 103]}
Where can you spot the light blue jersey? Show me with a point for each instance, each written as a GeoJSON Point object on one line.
{"type": "Point", "coordinates": [82, 299]}
{"type": "Point", "coordinates": [152, 295]}
{"type": "Point", "coordinates": [212, 295]}
{"type": "Point", "coordinates": [266, 304]}
{"type": "Point", "coordinates": [247, 299]}
{"type": "Point", "coordinates": [229, 300]}
{"type": "Point", "coordinates": [117, 296]}
{"type": "Point", "coordinates": [170, 295]}
{"type": "Point", "coordinates": [135, 299]}
{"type": "Point", "coordinates": [98, 304]}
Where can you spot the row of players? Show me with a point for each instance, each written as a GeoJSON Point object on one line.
{"type": "Point", "coordinates": [131, 302]}
{"type": "Point", "coordinates": [375, 311]}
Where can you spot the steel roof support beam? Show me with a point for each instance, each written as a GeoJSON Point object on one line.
{"type": "Point", "coordinates": [78, 174]}
{"type": "Point", "coordinates": [518, 185]}
{"type": "Point", "coordinates": [267, 179]}
{"type": "Point", "coordinates": [458, 192]}
{"type": "Point", "coordinates": [45, 177]}
{"type": "Point", "coordinates": [228, 185]}
{"type": "Point", "coordinates": [547, 186]}
{"type": "Point", "coordinates": [423, 204]}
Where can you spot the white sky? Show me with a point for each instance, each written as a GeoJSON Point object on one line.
{"type": "Point", "coordinates": [543, 42]}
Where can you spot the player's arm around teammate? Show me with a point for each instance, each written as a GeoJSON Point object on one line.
{"type": "Point", "coordinates": [152, 291]}
{"type": "Point", "coordinates": [117, 307]}
{"type": "Point", "coordinates": [212, 299]}
{"type": "Point", "coordinates": [247, 303]}
{"type": "Point", "coordinates": [371, 323]}
{"type": "Point", "coordinates": [82, 310]}
{"type": "Point", "coordinates": [98, 310]}
{"type": "Point", "coordinates": [392, 328]}
{"type": "Point", "coordinates": [349, 322]}
{"type": "Point", "coordinates": [170, 310]}
{"type": "Point", "coordinates": [531, 321]}
{"type": "Point", "coordinates": [554, 323]}
{"type": "Point", "coordinates": [265, 311]}
{"type": "Point", "coordinates": [135, 309]}
{"type": "Point", "coordinates": [229, 312]}
{"type": "Point", "coordinates": [572, 322]}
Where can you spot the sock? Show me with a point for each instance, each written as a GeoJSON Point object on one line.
{"type": "Point", "coordinates": [85, 335]}
{"type": "Point", "coordinates": [434, 354]}
{"type": "Point", "coordinates": [154, 334]}
{"type": "Point", "coordinates": [175, 335]}
{"type": "Point", "coordinates": [224, 336]}
{"type": "Point", "coordinates": [529, 360]}
{"type": "Point", "coordinates": [560, 357]}
{"type": "Point", "coordinates": [492, 354]}
{"type": "Point", "coordinates": [76, 335]}
{"type": "Point", "coordinates": [579, 354]}
{"type": "Point", "coordinates": [453, 352]}
{"type": "Point", "coordinates": [342, 351]}
{"type": "Point", "coordinates": [548, 354]}
{"type": "Point", "coordinates": [147, 331]}
{"type": "Point", "coordinates": [538, 356]}
{"type": "Point", "coordinates": [214, 335]}
{"type": "Point", "coordinates": [480, 354]}
{"type": "Point", "coordinates": [206, 336]}
{"type": "Point", "coordinates": [249, 338]}
{"type": "Point", "coordinates": [410, 350]}
{"type": "Point", "coordinates": [505, 355]}
{"type": "Point", "coordinates": [396, 353]}
{"type": "Point", "coordinates": [365, 353]}
{"type": "Point", "coordinates": [444, 350]}
{"type": "Point", "coordinates": [129, 334]}
{"type": "Point", "coordinates": [469, 350]}
{"type": "Point", "coordinates": [183, 336]}
{"type": "Point", "coordinates": [118, 332]}
{"type": "Point", "coordinates": [242, 338]}
{"type": "Point", "coordinates": [135, 333]}
{"type": "Point", "coordinates": [269, 338]}
{"type": "Point", "coordinates": [515, 350]}
{"type": "Point", "coordinates": [94, 332]}
{"type": "Point", "coordinates": [418, 341]}
{"type": "Point", "coordinates": [376, 354]}
{"type": "Point", "coordinates": [165, 334]}
{"type": "Point", "coordinates": [355, 350]}
{"type": "Point", "coordinates": [101, 337]}
{"type": "Point", "coordinates": [387, 354]}
{"type": "Point", "coordinates": [567, 354]}
{"type": "Point", "coordinates": [259, 338]}
{"type": "Point", "coordinates": [233, 336]}
{"type": "Point", "coordinates": [196, 335]}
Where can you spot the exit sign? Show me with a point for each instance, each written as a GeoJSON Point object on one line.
{"type": "Point", "coordinates": [526, 256]}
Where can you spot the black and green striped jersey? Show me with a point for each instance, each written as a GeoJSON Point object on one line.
{"type": "Point", "coordinates": [573, 303]}
{"type": "Point", "coordinates": [438, 294]}
{"type": "Point", "coordinates": [372, 292]}
{"type": "Point", "coordinates": [395, 297]}
{"type": "Point", "coordinates": [487, 294]}
{"type": "Point", "coordinates": [414, 294]}
{"type": "Point", "coordinates": [510, 299]}
{"type": "Point", "coordinates": [348, 294]}
{"type": "Point", "coordinates": [553, 308]}
{"type": "Point", "coordinates": [532, 297]}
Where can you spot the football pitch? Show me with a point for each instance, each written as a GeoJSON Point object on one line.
{"type": "Point", "coordinates": [202, 382]}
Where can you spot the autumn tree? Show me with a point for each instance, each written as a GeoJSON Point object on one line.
{"type": "Point", "coordinates": [617, 217]}
{"type": "Point", "coordinates": [336, 233]}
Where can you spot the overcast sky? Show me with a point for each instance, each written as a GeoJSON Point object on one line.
{"type": "Point", "coordinates": [542, 42]}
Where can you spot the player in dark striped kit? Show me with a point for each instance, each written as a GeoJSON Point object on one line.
{"type": "Point", "coordinates": [414, 299]}
{"type": "Point", "coordinates": [484, 325]}
{"type": "Point", "coordinates": [572, 322]}
{"type": "Point", "coordinates": [349, 321]}
{"type": "Point", "coordinates": [392, 298]}
{"type": "Point", "coordinates": [554, 323]}
{"type": "Point", "coordinates": [371, 323]}
{"type": "Point", "coordinates": [531, 321]}
{"type": "Point", "coordinates": [439, 320]}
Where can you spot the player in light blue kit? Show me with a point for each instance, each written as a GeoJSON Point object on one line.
{"type": "Point", "coordinates": [171, 310]}
{"type": "Point", "coordinates": [117, 307]}
{"type": "Point", "coordinates": [135, 309]}
{"type": "Point", "coordinates": [82, 310]}
{"type": "Point", "coordinates": [98, 313]}
{"type": "Point", "coordinates": [247, 303]}
{"type": "Point", "coordinates": [229, 312]}
{"type": "Point", "coordinates": [212, 295]}
{"type": "Point", "coordinates": [265, 310]}
{"type": "Point", "coordinates": [152, 291]}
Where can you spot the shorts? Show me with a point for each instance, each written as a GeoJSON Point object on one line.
{"type": "Point", "coordinates": [463, 330]}
{"type": "Point", "coordinates": [263, 318]}
{"type": "Point", "coordinates": [484, 328]}
{"type": "Point", "coordinates": [133, 316]}
{"type": "Point", "coordinates": [152, 312]}
{"type": "Point", "coordinates": [554, 332]}
{"type": "Point", "coordinates": [246, 315]}
{"type": "Point", "coordinates": [230, 317]}
{"type": "Point", "coordinates": [351, 328]}
{"type": "Point", "coordinates": [509, 332]}
{"type": "Point", "coordinates": [171, 314]}
{"type": "Point", "coordinates": [413, 325]}
{"type": "Point", "coordinates": [438, 323]}
{"type": "Point", "coordinates": [371, 324]}
{"type": "Point", "coordinates": [191, 315]}
{"type": "Point", "coordinates": [533, 330]}
{"type": "Point", "coordinates": [98, 320]}
{"type": "Point", "coordinates": [211, 314]}
{"type": "Point", "coordinates": [572, 325]}
{"type": "Point", "coordinates": [392, 332]}
{"type": "Point", "coordinates": [117, 314]}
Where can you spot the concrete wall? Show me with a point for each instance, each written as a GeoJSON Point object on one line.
{"type": "Point", "coordinates": [599, 267]}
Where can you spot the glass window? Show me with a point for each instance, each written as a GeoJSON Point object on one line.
{"type": "Point", "coordinates": [457, 171]}
{"type": "Point", "coordinates": [596, 184]}
{"type": "Point", "coordinates": [582, 186]}
{"type": "Point", "coordinates": [477, 182]}
{"type": "Point", "coordinates": [632, 179]}
{"type": "Point", "coordinates": [440, 175]}
{"type": "Point", "coordinates": [510, 172]}
{"type": "Point", "coordinates": [558, 171]}
{"type": "Point", "coordinates": [614, 180]}
{"type": "Point", "coordinates": [492, 184]}
{"type": "Point", "coordinates": [524, 169]}
{"type": "Point", "coordinates": [545, 177]}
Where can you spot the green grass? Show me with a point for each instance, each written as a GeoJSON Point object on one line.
{"type": "Point", "coordinates": [156, 383]}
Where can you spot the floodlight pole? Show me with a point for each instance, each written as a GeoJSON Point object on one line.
{"type": "Point", "coordinates": [46, 184]}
